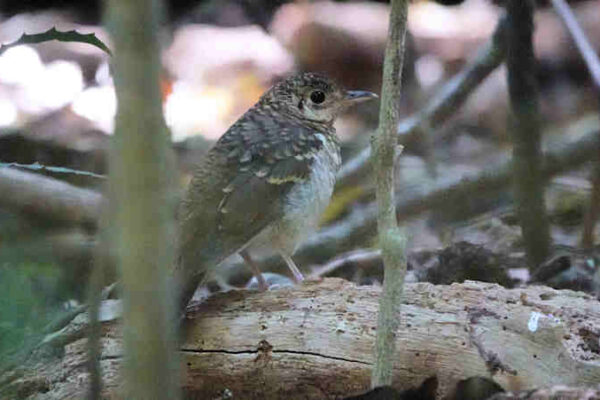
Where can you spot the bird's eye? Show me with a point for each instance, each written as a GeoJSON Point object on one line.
{"type": "Point", "coordinates": [317, 97]}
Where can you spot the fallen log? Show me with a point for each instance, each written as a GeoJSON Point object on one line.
{"type": "Point", "coordinates": [315, 341]}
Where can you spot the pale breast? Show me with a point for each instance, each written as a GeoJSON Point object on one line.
{"type": "Point", "coordinates": [306, 201]}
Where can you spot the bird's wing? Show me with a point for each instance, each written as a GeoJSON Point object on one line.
{"type": "Point", "coordinates": [268, 160]}
{"type": "Point", "coordinates": [237, 190]}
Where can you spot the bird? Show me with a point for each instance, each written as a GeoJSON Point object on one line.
{"type": "Point", "coordinates": [266, 181]}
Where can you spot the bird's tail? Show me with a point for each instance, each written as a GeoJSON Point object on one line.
{"type": "Point", "coordinates": [194, 266]}
{"type": "Point", "coordinates": [187, 281]}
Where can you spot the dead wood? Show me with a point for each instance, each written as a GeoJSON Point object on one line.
{"type": "Point", "coordinates": [315, 341]}
{"type": "Point", "coordinates": [50, 199]}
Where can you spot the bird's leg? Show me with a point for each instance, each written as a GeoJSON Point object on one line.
{"type": "Point", "coordinates": [298, 277]}
{"type": "Point", "coordinates": [262, 284]}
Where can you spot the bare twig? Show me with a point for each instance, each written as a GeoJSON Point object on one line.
{"type": "Point", "coordinates": [583, 44]}
{"type": "Point", "coordinates": [66, 318]}
{"type": "Point", "coordinates": [141, 177]}
{"type": "Point", "coordinates": [526, 133]}
{"type": "Point", "coordinates": [356, 256]}
{"type": "Point", "coordinates": [593, 64]}
{"type": "Point", "coordinates": [58, 170]}
{"type": "Point", "coordinates": [391, 239]}
{"type": "Point", "coordinates": [47, 198]}
{"type": "Point", "coordinates": [443, 105]}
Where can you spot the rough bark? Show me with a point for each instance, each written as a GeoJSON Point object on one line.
{"type": "Point", "coordinates": [315, 341]}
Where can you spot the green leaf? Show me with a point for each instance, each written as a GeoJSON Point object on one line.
{"type": "Point", "coordinates": [53, 34]}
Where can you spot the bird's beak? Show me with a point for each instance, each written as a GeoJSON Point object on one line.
{"type": "Point", "coordinates": [357, 96]}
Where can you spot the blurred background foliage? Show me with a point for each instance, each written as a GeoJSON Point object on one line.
{"type": "Point", "coordinates": [33, 283]}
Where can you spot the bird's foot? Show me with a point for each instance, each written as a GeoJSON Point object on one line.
{"type": "Point", "coordinates": [263, 286]}
{"type": "Point", "coordinates": [298, 277]}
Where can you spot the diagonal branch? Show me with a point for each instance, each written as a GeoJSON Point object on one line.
{"type": "Point", "coordinates": [581, 41]}
{"type": "Point", "coordinates": [593, 64]}
{"type": "Point", "coordinates": [443, 105]}
{"type": "Point", "coordinates": [47, 198]}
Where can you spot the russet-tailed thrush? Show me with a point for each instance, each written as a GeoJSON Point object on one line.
{"type": "Point", "coordinates": [267, 180]}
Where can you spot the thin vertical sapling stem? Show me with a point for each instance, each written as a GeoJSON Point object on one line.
{"type": "Point", "coordinates": [392, 239]}
{"type": "Point", "coordinates": [526, 132]}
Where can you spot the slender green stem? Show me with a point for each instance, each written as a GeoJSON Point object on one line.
{"type": "Point", "coordinates": [526, 132]}
{"type": "Point", "coordinates": [392, 240]}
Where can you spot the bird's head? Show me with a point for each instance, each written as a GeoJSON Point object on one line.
{"type": "Point", "coordinates": [313, 97]}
